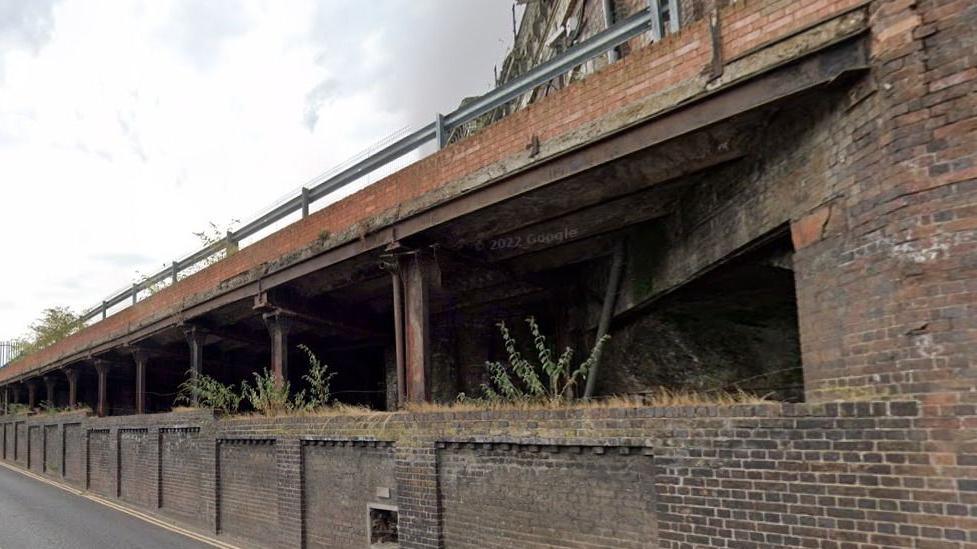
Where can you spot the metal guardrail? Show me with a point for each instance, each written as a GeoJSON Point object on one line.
{"type": "Point", "coordinates": [648, 19]}
{"type": "Point", "coordinates": [8, 352]}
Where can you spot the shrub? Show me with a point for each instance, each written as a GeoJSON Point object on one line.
{"type": "Point", "coordinates": [318, 379]}
{"type": "Point", "coordinates": [209, 393]}
{"type": "Point", "coordinates": [522, 381]}
{"type": "Point", "coordinates": [270, 397]}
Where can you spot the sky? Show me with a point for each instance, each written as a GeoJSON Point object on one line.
{"type": "Point", "coordinates": [127, 125]}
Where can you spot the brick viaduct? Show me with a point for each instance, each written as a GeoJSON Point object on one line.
{"type": "Point", "coordinates": [808, 164]}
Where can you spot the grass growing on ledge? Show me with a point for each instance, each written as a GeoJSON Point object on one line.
{"type": "Point", "coordinates": [656, 399]}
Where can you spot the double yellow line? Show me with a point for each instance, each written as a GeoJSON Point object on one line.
{"type": "Point", "coordinates": [131, 512]}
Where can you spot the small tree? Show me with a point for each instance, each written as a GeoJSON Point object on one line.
{"type": "Point", "coordinates": [548, 381]}
{"type": "Point", "coordinates": [55, 324]}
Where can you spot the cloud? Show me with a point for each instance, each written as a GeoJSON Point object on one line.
{"type": "Point", "coordinates": [26, 24]}
{"type": "Point", "coordinates": [199, 29]}
{"type": "Point", "coordinates": [123, 259]}
{"type": "Point", "coordinates": [316, 99]}
{"type": "Point", "coordinates": [418, 57]}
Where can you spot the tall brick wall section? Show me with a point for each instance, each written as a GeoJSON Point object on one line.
{"type": "Point", "coordinates": [35, 438]}
{"type": "Point", "coordinates": [100, 463]}
{"type": "Point", "coordinates": [885, 269]}
{"type": "Point", "coordinates": [138, 465]}
{"type": "Point", "coordinates": [52, 450]}
{"type": "Point", "coordinates": [181, 473]}
{"type": "Point", "coordinates": [855, 474]}
{"type": "Point", "coordinates": [74, 459]}
{"type": "Point", "coordinates": [20, 443]}
{"type": "Point", "coordinates": [248, 489]}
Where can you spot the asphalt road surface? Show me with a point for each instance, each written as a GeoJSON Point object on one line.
{"type": "Point", "coordinates": [35, 515]}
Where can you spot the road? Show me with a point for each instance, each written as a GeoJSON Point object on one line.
{"type": "Point", "coordinates": [36, 515]}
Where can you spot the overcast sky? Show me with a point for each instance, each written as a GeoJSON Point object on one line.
{"type": "Point", "coordinates": [127, 125]}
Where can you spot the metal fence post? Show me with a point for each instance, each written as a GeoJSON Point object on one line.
{"type": "Point", "coordinates": [230, 245]}
{"type": "Point", "coordinates": [305, 202]}
{"type": "Point", "coordinates": [655, 7]}
{"type": "Point", "coordinates": [440, 134]}
{"type": "Point", "coordinates": [135, 292]}
{"type": "Point", "coordinates": [174, 271]}
{"type": "Point", "coordinates": [674, 16]}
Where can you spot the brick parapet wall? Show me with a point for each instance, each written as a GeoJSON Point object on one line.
{"type": "Point", "coordinates": [871, 474]}
{"type": "Point", "coordinates": [651, 80]}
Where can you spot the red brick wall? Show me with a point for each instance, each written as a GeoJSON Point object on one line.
{"type": "Point", "coordinates": [651, 69]}
{"type": "Point", "coordinates": [886, 290]}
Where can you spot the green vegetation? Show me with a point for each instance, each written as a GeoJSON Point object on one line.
{"type": "Point", "coordinates": [521, 381]}
{"type": "Point", "coordinates": [209, 393]}
{"type": "Point", "coordinates": [267, 396]}
{"type": "Point", "coordinates": [55, 324]}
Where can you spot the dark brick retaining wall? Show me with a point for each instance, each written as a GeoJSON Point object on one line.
{"type": "Point", "coordinates": [866, 474]}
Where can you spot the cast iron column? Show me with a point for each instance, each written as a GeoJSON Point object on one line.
{"type": "Point", "coordinates": [102, 368]}
{"type": "Point", "coordinates": [142, 359]}
{"type": "Point", "coordinates": [195, 338]}
{"type": "Point", "coordinates": [278, 325]}
{"type": "Point", "coordinates": [416, 270]}
{"type": "Point", "coordinates": [72, 375]}
{"type": "Point", "coordinates": [31, 394]}
{"type": "Point", "coordinates": [50, 384]}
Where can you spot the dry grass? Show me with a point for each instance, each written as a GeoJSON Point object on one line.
{"type": "Point", "coordinates": [659, 398]}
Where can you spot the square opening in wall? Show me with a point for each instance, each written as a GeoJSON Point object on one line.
{"type": "Point", "coordinates": [383, 526]}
